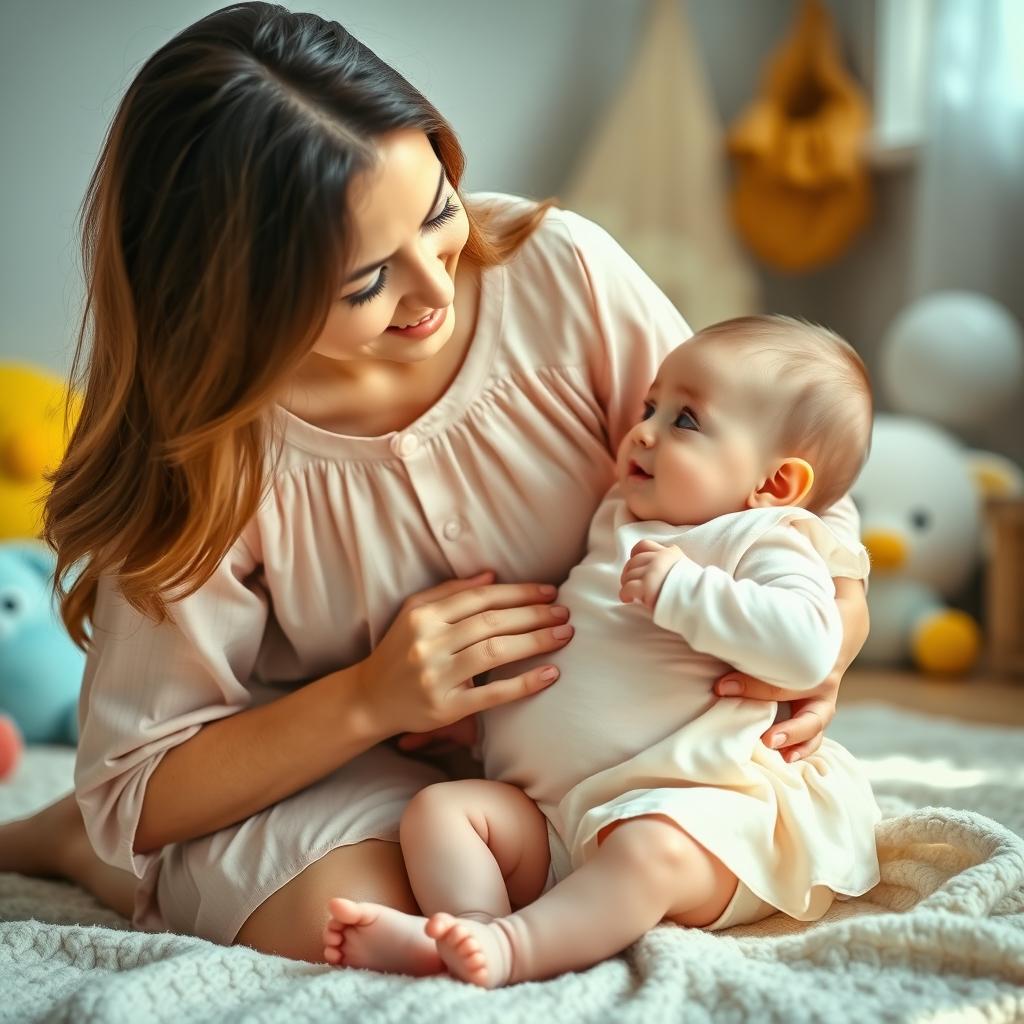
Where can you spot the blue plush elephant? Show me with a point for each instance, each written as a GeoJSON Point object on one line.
{"type": "Point", "coordinates": [40, 668]}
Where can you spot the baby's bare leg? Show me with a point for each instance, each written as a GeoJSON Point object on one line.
{"type": "Point", "coordinates": [645, 870]}
{"type": "Point", "coordinates": [472, 847]}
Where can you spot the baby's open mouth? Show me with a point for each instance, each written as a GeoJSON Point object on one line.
{"type": "Point", "coordinates": [637, 472]}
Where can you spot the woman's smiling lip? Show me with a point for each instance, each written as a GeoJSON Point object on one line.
{"type": "Point", "coordinates": [422, 328]}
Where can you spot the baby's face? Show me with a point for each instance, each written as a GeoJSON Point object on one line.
{"type": "Point", "coordinates": [699, 451]}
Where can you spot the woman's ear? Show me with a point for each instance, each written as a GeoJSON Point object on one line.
{"type": "Point", "coordinates": [788, 484]}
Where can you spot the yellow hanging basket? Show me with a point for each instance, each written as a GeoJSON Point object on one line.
{"type": "Point", "coordinates": [802, 190]}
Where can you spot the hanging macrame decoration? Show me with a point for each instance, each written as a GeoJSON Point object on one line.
{"type": "Point", "coordinates": [802, 190]}
{"type": "Point", "coordinates": [654, 175]}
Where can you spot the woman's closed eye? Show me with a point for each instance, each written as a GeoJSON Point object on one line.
{"type": "Point", "coordinates": [368, 294]}
{"type": "Point", "coordinates": [446, 214]}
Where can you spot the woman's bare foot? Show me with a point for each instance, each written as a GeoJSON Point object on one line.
{"type": "Point", "coordinates": [379, 938]}
{"type": "Point", "coordinates": [39, 845]}
{"type": "Point", "coordinates": [476, 951]}
{"type": "Point", "coordinates": [53, 843]}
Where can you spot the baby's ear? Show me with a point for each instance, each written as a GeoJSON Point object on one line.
{"type": "Point", "coordinates": [788, 484]}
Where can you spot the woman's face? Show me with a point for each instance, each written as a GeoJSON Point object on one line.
{"type": "Point", "coordinates": [409, 229]}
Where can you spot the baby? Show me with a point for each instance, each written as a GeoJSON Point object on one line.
{"type": "Point", "coordinates": [628, 793]}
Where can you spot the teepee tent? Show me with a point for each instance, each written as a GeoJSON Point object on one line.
{"type": "Point", "coordinates": [654, 176]}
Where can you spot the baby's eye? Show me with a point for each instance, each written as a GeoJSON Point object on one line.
{"type": "Point", "coordinates": [686, 421]}
{"type": "Point", "coordinates": [648, 411]}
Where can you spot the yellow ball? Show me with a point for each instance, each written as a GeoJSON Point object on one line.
{"type": "Point", "coordinates": [947, 643]}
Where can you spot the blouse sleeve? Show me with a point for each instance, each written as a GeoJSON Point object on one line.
{"type": "Point", "coordinates": [776, 619]}
{"type": "Point", "coordinates": [637, 325]}
{"type": "Point", "coordinates": [149, 687]}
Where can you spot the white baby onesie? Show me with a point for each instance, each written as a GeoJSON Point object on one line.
{"type": "Point", "coordinates": [632, 726]}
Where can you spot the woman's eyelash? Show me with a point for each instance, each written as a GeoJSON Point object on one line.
{"type": "Point", "coordinates": [372, 292]}
{"type": "Point", "coordinates": [449, 211]}
{"type": "Point", "coordinates": [361, 298]}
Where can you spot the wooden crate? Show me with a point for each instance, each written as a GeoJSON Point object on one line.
{"type": "Point", "coordinates": [1004, 585]}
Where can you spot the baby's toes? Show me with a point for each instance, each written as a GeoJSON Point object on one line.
{"type": "Point", "coordinates": [349, 912]}
{"type": "Point", "coordinates": [342, 911]}
{"type": "Point", "coordinates": [438, 926]}
{"type": "Point", "coordinates": [332, 955]}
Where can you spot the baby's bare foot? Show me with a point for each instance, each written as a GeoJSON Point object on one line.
{"type": "Point", "coordinates": [380, 938]}
{"type": "Point", "coordinates": [475, 951]}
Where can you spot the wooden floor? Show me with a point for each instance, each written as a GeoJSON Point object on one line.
{"type": "Point", "coordinates": [978, 698]}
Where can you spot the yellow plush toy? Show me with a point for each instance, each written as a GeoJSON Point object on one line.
{"type": "Point", "coordinates": [32, 441]}
{"type": "Point", "coordinates": [802, 189]}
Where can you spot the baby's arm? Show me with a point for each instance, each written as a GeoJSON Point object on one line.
{"type": "Point", "coordinates": [776, 619]}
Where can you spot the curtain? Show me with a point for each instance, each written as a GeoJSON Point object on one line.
{"type": "Point", "coordinates": [970, 218]}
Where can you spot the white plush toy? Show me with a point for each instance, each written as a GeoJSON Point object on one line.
{"type": "Point", "coordinates": [921, 492]}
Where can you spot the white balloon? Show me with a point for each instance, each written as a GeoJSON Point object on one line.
{"type": "Point", "coordinates": [954, 357]}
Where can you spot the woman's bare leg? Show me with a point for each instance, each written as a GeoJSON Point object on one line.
{"type": "Point", "coordinates": [292, 921]}
{"type": "Point", "coordinates": [52, 844]}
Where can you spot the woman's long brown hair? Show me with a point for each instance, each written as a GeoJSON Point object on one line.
{"type": "Point", "coordinates": [213, 236]}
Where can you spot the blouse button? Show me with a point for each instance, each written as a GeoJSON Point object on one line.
{"type": "Point", "coordinates": [405, 444]}
{"type": "Point", "coordinates": [452, 529]}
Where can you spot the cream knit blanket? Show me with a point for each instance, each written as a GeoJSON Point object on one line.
{"type": "Point", "coordinates": [941, 938]}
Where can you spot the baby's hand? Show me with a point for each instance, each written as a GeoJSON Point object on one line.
{"type": "Point", "coordinates": [642, 578]}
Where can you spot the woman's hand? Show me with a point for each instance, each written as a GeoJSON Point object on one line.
{"type": "Point", "coordinates": [420, 676]}
{"type": "Point", "coordinates": [812, 710]}
{"type": "Point", "coordinates": [462, 733]}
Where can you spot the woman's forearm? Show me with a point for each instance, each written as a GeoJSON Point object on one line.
{"type": "Point", "coordinates": [241, 764]}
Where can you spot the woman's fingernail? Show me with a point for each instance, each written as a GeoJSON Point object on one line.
{"type": "Point", "coordinates": [547, 590]}
{"type": "Point", "coordinates": [561, 632]}
{"type": "Point", "coordinates": [778, 740]}
{"type": "Point", "coordinates": [560, 612]}
{"type": "Point", "coordinates": [730, 688]}
{"type": "Point", "coordinates": [548, 674]}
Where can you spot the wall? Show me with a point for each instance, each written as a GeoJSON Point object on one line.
{"type": "Point", "coordinates": [522, 83]}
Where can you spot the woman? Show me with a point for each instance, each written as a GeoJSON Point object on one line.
{"type": "Point", "coordinates": [320, 381]}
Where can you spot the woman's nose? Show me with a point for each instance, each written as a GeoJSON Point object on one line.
{"type": "Point", "coordinates": [431, 285]}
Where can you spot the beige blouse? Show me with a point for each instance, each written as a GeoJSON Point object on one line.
{"type": "Point", "coordinates": [503, 472]}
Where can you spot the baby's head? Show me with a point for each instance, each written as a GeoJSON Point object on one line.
{"type": "Point", "coordinates": [751, 412]}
